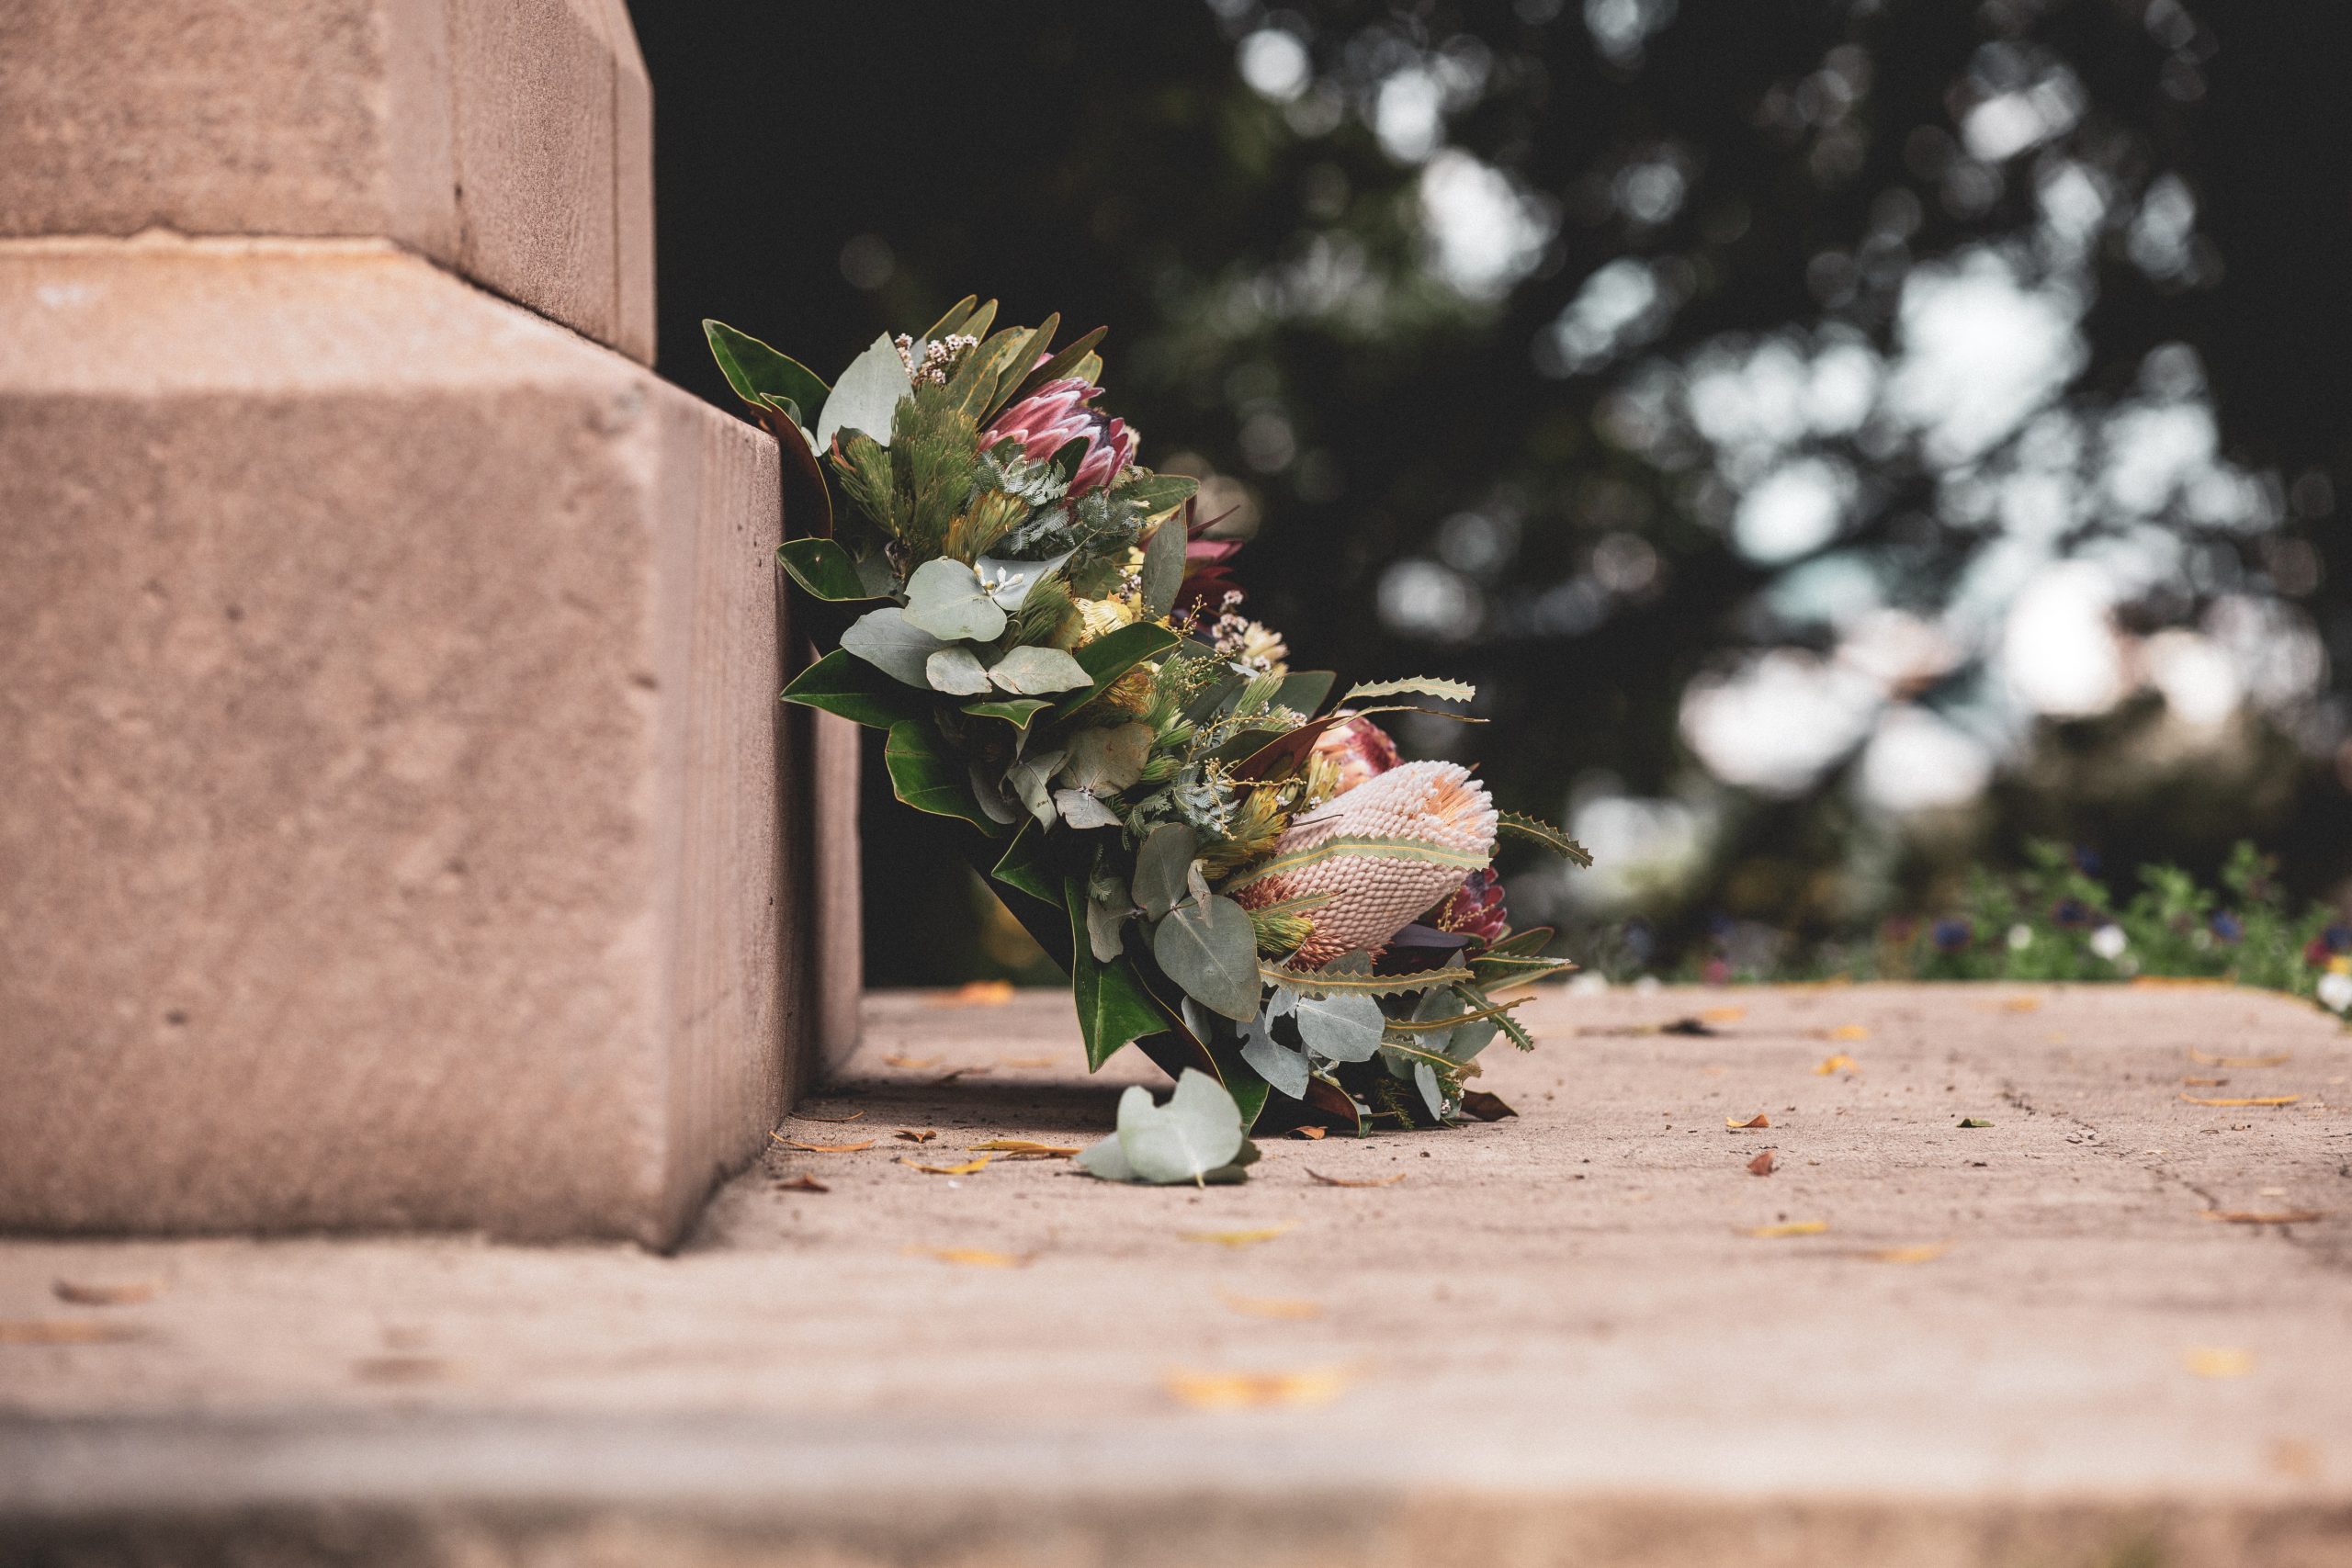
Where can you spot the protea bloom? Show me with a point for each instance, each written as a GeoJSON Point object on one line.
{"type": "Point", "coordinates": [1357, 751]}
{"type": "Point", "coordinates": [1475, 911]}
{"type": "Point", "coordinates": [1059, 413]}
{"type": "Point", "coordinates": [1383, 853]}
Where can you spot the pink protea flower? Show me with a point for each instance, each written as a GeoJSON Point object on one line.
{"type": "Point", "coordinates": [1475, 911]}
{"type": "Point", "coordinates": [1359, 748]}
{"type": "Point", "coordinates": [1384, 852]}
{"type": "Point", "coordinates": [1059, 413]}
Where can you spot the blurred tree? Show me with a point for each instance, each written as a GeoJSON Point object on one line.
{"type": "Point", "coordinates": [1840, 438]}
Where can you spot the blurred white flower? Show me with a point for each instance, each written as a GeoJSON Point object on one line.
{"type": "Point", "coordinates": [2336, 990]}
{"type": "Point", "coordinates": [2108, 942]}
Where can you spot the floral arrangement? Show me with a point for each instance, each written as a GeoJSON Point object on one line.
{"type": "Point", "coordinates": [1242, 876]}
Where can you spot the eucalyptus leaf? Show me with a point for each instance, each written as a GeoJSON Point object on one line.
{"type": "Point", "coordinates": [1001, 807]}
{"type": "Point", "coordinates": [1341, 1028]}
{"type": "Point", "coordinates": [885, 639]}
{"type": "Point", "coordinates": [1195, 1133]}
{"type": "Point", "coordinates": [1081, 810]}
{"type": "Point", "coordinates": [945, 598]}
{"type": "Point", "coordinates": [1282, 1067]}
{"type": "Point", "coordinates": [957, 671]}
{"type": "Point", "coordinates": [1032, 672]}
{"type": "Point", "coordinates": [1425, 1079]}
{"type": "Point", "coordinates": [1026, 779]}
{"type": "Point", "coordinates": [1106, 1159]}
{"type": "Point", "coordinates": [1197, 883]}
{"type": "Point", "coordinates": [1109, 759]}
{"type": "Point", "coordinates": [1113, 1008]}
{"type": "Point", "coordinates": [1213, 954]}
{"type": "Point", "coordinates": [1104, 922]}
{"type": "Point", "coordinates": [1163, 570]}
{"type": "Point", "coordinates": [1160, 865]}
{"type": "Point", "coordinates": [866, 397]}
{"type": "Point", "coordinates": [1009, 581]}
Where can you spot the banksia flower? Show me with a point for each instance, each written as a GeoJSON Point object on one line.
{"type": "Point", "coordinates": [1354, 752]}
{"type": "Point", "coordinates": [1059, 413]}
{"type": "Point", "coordinates": [1384, 852]}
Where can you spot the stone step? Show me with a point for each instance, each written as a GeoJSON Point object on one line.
{"type": "Point", "coordinates": [1555, 1340]}
{"type": "Point", "coordinates": [388, 759]}
{"type": "Point", "coordinates": [508, 139]}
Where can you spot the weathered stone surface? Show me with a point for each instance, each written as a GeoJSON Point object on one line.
{"type": "Point", "coordinates": [509, 138]}
{"type": "Point", "coordinates": [388, 757]}
{"type": "Point", "coordinates": [1554, 1343]}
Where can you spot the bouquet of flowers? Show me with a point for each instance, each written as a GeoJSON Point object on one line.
{"type": "Point", "coordinates": [1241, 874]}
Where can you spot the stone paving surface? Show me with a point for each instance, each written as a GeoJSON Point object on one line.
{"type": "Point", "coordinates": [2114, 1326]}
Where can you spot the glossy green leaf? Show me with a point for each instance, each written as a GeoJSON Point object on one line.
{"type": "Point", "coordinates": [1027, 865]}
{"type": "Point", "coordinates": [756, 371]}
{"type": "Point", "coordinates": [1152, 494]}
{"type": "Point", "coordinates": [1110, 656]}
{"type": "Point", "coordinates": [823, 568]}
{"type": "Point", "coordinates": [843, 684]}
{"type": "Point", "coordinates": [927, 774]}
{"type": "Point", "coordinates": [953, 322]}
{"type": "Point", "coordinates": [1213, 954]}
{"type": "Point", "coordinates": [1163, 569]}
{"type": "Point", "coordinates": [1015, 711]}
{"type": "Point", "coordinates": [1113, 1005]}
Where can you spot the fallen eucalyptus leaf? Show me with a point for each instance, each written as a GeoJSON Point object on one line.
{"type": "Point", "coordinates": [1026, 1148]}
{"type": "Point", "coordinates": [1486, 1106]}
{"type": "Point", "coordinates": [1840, 1062]}
{"type": "Point", "coordinates": [1974, 1122]}
{"type": "Point", "coordinates": [1924, 1253]}
{"type": "Point", "coordinates": [2277, 1059]}
{"type": "Point", "coordinates": [914, 1136]}
{"type": "Point", "coordinates": [66, 1331]}
{"type": "Point", "coordinates": [2260, 1217]}
{"type": "Point", "coordinates": [1195, 1133]}
{"type": "Point", "coordinates": [2217, 1361]}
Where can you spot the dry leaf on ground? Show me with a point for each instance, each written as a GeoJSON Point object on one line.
{"type": "Point", "coordinates": [2206, 1058]}
{"type": "Point", "coordinates": [1025, 1062]}
{"type": "Point", "coordinates": [917, 1135]}
{"type": "Point", "coordinates": [976, 993]}
{"type": "Point", "coordinates": [2269, 1217]}
{"type": "Point", "coordinates": [1235, 1239]}
{"type": "Point", "coordinates": [837, 1120]}
{"type": "Point", "coordinates": [1791, 1227]}
{"type": "Point", "coordinates": [1297, 1309]}
{"type": "Point", "coordinates": [1753, 1123]}
{"type": "Point", "coordinates": [1248, 1391]}
{"type": "Point", "coordinates": [2219, 1361]}
{"type": "Point", "coordinates": [912, 1062]}
{"type": "Point", "coordinates": [1723, 1015]}
{"type": "Point", "coordinates": [971, 1257]}
{"type": "Point", "coordinates": [1840, 1062]}
{"type": "Point", "coordinates": [1847, 1032]}
{"type": "Point", "coordinates": [823, 1148]}
{"type": "Point", "coordinates": [1762, 1164]}
{"type": "Point", "coordinates": [64, 1331]}
{"type": "Point", "coordinates": [803, 1183]}
{"type": "Point", "coordinates": [2246, 1100]}
{"type": "Point", "coordinates": [123, 1292]}
{"type": "Point", "coordinates": [968, 1167]}
{"type": "Point", "coordinates": [1314, 1133]}
{"type": "Point", "coordinates": [1927, 1252]}
{"type": "Point", "coordinates": [2205, 1083]}
{"type": "Point", "coordinates": [1486, 1106]}
{"type": "Point", "coordinates": [1974, 1122]}
{"type": "Point", "coordinates": [1026, 1148]}
{"type": "Point", "coordinates": [1343, 1181]}
{"type": "Point", "coordinates": [2020, 1004]}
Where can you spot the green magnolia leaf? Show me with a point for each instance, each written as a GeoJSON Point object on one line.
{"type": "Point", "coordinates": [843, 684]}
{"type": "Point", "coordinates": [1303, 690]}
{"type": "Point", "coordinates": [1079, 808]}
{"type": "Point", "coordinates": [1027, 780]}
{"type": "Point", "coordinates": [1163, 863]}
{"type": "Point", "coordinates": [1345, 1028]}
{"type": "Point", "coordinates": [1031, 670]}
{"type": "Point", "coordinates": [928, 775]}
{"type": "Point", "coordinates": [867, 396]}
{"type": "Point", "coordinates": [1212, 954]}
{"type": "Point", "coordinates": [1163, 570]}
{"type": "Point", "coordinates": [944, 598]}
{"type": "Point", "coordinates": [1015, 711]}
{"type": "Point", "coordinates": [1537, 831]}
{"type": "Point", "coordinates": [885, 639]}
{"type": "Point", "coordinates": [1113, 1005]}
{"type": "Point", "coordinates": [823, 568]}
{"type": "Point", "coordinates": [1415, 685]}
{"type": "Point", "coordinates": [1025, 866]}
{"type": "Point", "coordinates": [1108, 760]}
{"type": "Point", "coordinates": [1113, 655]}
{"type": "Point", "coordinates": [957, 671]}
{"type": "Point", "coordinates": [758, 372]}
{"type": "Point", "coordinates": [1198, 1131]}
{"type": "Point", "coordinates": [1282, 1067]}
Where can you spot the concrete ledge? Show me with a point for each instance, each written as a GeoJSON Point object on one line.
{"type": "Point", "coordinates": [389, 775]}
{"type": "Point", "coordinates": [511, 140]}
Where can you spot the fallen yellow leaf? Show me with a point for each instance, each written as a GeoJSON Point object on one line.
{"type": "Point", "coordinates": [64, 1331]}
{"type": "Point", "coordinates": [2271, 1217]}
{"type": "Point", "coordinates": [2276, 1059]}
{"type": "Point", "coordinates": [1289, 1308]}
{"type": "Point", "coordinates": [126, 1293]}
{"type": "Point", "coordinates": [1927, 1252]}
{"type": "Point", "coordinates": [1752, 1124]}
{"type": "Point", "coordinates": [910, 1062]}
{"type": "Point", "coordinates": [1027, 1148]}
{"type": "Point", "coordinates": [1840, 1062]}
{"type": "Point", "coordinates": [970, 1257]}
{"type": "Point", "coordinates": [2246, 1100]}
{"type": "Point", "coordinates": [1723, 1015]}
{"type": "Point", "coordinates": [1235, 1239]}
{"type": "Point", "coordinates": [1375, 1181]}
{"type": "Point", "coordinates": [1848, 1032]}
{"type": "Point", "coordinates": [2020, 1004]}
{"type": "Point", "coordinates": [822, 1148]}
{"type": "Point", "coordinates": [1312, 1134]}
{"type": "Point", "coordinates": [837, 1120]}
{"type": "Point", "coordinates": [976, 993]}
{"type": "Point", "coordinates": [966, 1169]}
{"type": "Point", "coordinates": [1027, 1062]}
{"type": "Point", "coordinates": [1794, 1227]}
{"type": "Point", "coordinates": [1249, 1391]}
{"type": "Point", "coordinates": [2215, 1361]}
{"type": "Point", "coordinates": [2205, 1083]}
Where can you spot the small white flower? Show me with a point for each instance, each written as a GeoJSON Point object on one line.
{"type": "Point", "coordinates": [2336, 990]}
{"type": "Point", "coordinates": [2108, 942]}
{"type": "Point", "coordinates": [2020, 937]}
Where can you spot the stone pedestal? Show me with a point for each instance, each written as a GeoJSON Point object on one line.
{"type": "Point", "coordinates": [397, 826]}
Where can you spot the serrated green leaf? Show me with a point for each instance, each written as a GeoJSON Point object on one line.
{"type": "Point", "coordinates": [1536, 831]}
{"type": "Point", "coordinates": [1415, 685]}
{"type": "Point", "coordinates": [823, 568]}
{"type": "Point", "coordinates": [1113, 1005]}
{"type": "Point", "coordinates": [1331, 983]}
{"type": "Point", "coordinates": [1113, 655]}
{"type": "Point", "coordinates": [756, 372]}
{"type": "Point", "coordinates": [929, 776]}
{"type": "Point", "coordinates": [1213, 954]}
{"type": "Point", "coordinates": [867, 396]}
{"type": "Point", "coordinates": [844, 685]}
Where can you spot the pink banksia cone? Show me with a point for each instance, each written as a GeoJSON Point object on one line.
{"type": "Point", "coordinates": [1358, 751]}
{"type": "Point", "coordinates": [1059, 413]}
{"type": "Point", "coordinates": [1383, 852]}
